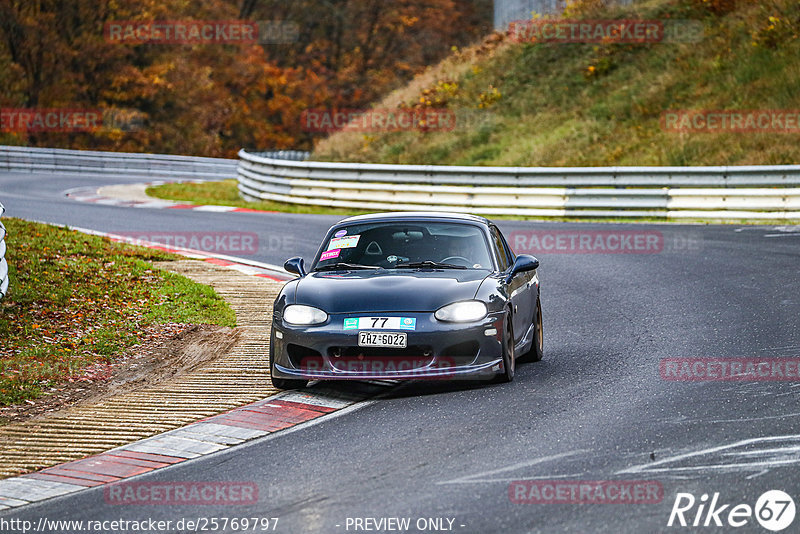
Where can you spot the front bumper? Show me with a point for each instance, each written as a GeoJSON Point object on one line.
{"type": "Point", "coordinates": [435, 350]}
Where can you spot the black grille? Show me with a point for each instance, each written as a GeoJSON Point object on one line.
{"type": "Point", "coordinates": [461, 353]}
{"type": "Point", "coordinates": [302, 357]}
{"type": "Point", "coordinates": [378, 358]}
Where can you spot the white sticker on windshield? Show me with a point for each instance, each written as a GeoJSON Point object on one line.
{"type": "Point", "coordinates": [349, 241]}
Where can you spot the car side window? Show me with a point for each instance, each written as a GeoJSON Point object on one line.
{"type": "Point", "coordinates": [509, 253]}
{"type": "Point", "coordinates": [502, 252]}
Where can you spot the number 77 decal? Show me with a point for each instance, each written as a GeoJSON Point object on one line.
{"type": "Point", "coordinates": [379, 323]}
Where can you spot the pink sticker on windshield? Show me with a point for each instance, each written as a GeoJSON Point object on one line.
{"type": "Point", "coordinates": [340, 233]}
{"type": "Point", "coordinates": [330, 254]}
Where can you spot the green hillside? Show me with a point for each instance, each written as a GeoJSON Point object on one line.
{"type": "Point", "coordinates": [576, 104]}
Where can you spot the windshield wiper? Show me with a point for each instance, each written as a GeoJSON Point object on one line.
{"type": "Point", "coordinates": [428, 263]}
{"type": "Point", "coordinates": [342, 266]}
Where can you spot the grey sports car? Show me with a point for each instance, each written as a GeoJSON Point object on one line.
{"type": "Point", "coordinates": [407, 296]}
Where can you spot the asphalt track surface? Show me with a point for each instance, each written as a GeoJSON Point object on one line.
{"type": "Point", "coordinates": [596, 408]}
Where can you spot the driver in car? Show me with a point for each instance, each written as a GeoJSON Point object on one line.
{"type": "Point", "coordinates": [459, 251]}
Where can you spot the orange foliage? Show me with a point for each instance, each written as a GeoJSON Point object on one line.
{"type": "Point", "coordinates": [213, 99]}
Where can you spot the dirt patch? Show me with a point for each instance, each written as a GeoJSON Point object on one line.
{"type": "Point", "coordinates": [165, 352]}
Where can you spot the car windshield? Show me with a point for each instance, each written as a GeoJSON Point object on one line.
{"type": "Point", "coordinates": [401, 245]}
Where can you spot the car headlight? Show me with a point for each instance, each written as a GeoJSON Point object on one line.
{"type": "Point", "coordinates": [299, 314]}
{"type": "Point", "coordinates": [462, 312]}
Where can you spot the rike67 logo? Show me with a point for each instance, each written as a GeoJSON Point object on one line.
{"type": "Point", "coordinates": [774, 510]}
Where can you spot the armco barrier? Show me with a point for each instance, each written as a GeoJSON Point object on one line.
{"type": "Point", "coordinates": [61, 161]}
{"type": "Point", "coordinates": [3, 263]}
{"type": "Point", "coordinates": [754, 192]}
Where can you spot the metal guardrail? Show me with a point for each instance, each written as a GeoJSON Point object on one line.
{"type": "Point", "coordinates": [61, 161]}
{"type": "Point", "coordinates": [754, 192]}
{"type": "Point", "coordinates": [4, 281]}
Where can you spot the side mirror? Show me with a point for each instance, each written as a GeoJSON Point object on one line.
{"type": "Point", "coordinates": [523, 263]}
{"type": "Point", "coordinates": [295, 266]}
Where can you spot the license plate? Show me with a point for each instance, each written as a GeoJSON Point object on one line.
{"type": "Point", "coordinates": [382, 339]}
{"type": "Point", "coordinates": [380, 323]}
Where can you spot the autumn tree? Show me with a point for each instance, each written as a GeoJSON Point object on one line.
{"type": "Point", "coordinates": [212, 99]}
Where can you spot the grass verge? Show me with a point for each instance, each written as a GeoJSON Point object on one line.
{"type": "Point", "coordinates": [584, 104]}
{"type": "Point", "coordinates": [226, 193]}
{"type": "Point", "coordinates": [77, 300]}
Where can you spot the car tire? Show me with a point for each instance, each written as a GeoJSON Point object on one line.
{"type": "Point", "coordinates": [284, 383]}
{"type": "Point", "coordinates": [509, 359]}
{"type": "Point", "coordinates": [537, 347]}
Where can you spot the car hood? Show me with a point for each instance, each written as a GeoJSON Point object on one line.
{"type": "Point", "coordinates": [387, 290]}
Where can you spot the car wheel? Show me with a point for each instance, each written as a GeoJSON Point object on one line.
{"type": "Point", "coordinates": [537, 347]}
{"type": "Point", "coordinates": [283, 383]}
{"type": "Point", "coordinates": [509, 360]}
